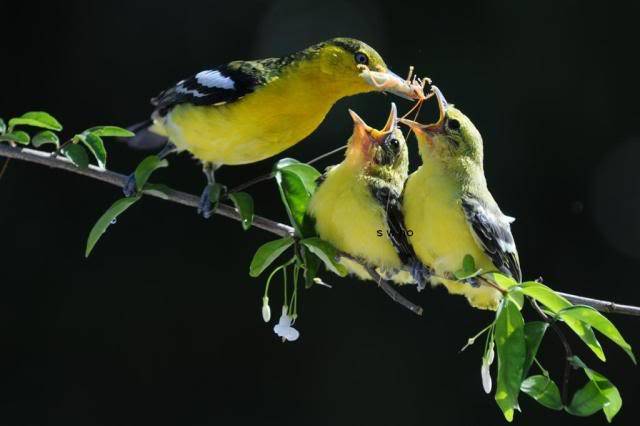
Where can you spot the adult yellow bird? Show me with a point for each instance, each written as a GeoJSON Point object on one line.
{"type": "Point", "coordinates": [247, 111]}
{"type": "Point", "coordinates": [447, 205]}
{"type": "Point", "coordinates": [356, 200]}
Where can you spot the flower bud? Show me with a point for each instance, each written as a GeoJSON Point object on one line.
{"type": "Point", "coordinates": [266, 310]}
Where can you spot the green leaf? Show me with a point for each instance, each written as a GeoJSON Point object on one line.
{"type": "Point", "coordinates": [267, 253]}
{"type": "Point", "coordinates": [146, 168]}
{"type": "Point", "coordinates": [598, 321]}
{"type": "Point", "coordinates": [587, 400]}
{"type": "Point", "coordinates": [510, 345]}
{"type": "Point", "coordinates": [18, 137]}
{"type": "Point", "coordinates": [36, 119]}
{"type": "Point", "coordinates": [327, 253]}
{"type": "Point", "coordinates": [311, 266]}
{"type": "Point", "coordinates": [157, 190]}
{"type": "Point", "coordinates": [598, 393]}
{"type": "Point", "coordinates": [3, 126]}
{"type": "Point", "coordinates": [503, 281]}
{"type": "Point", "coordinates": [244, 205]}
{"type": "Point", "coordinates": [96, 147]}
{"type": "Point", "coordinates": [295, 197]}
{"type": "Point", "coordinates": [306, 173]}
{"type": "Point", "coordinates": [108, 131]}
{"type": "Point", "coordinates": [215, 192]}
{"type": "Point", "coordinates": [533, 334]}
{"type": "Point", "coordinates": [544, 390]}
{"type": "Point", "coordinates": [468, 264]}
{"type": "Point", "coordinates": [77, 155]}
{"type": "Point", "coordinates": [45, 137]}
{"type": "Point", "coordinates": [556, 303]}
{"type": "Point", "coordinates": [107, 219]}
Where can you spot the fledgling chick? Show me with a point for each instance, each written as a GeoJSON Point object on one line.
{"type": "Point", "coordinates": [355, 199]}
{"type": "Point", "coordinates": [247, 111]}
{"type": "Point", "coordinates": [447, 205]}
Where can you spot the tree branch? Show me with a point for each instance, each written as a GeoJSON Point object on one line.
{"type": "Point", "coordinates": [280, 229]}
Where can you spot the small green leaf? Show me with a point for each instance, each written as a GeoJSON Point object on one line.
{"type": "Point", "coordinates": [544, 390]}
{"type": "Point", "coordinates": [18, 137]}
{"type": "Point", "coordinates": [244, 205]}
{"type": "Point", "coordinates": [107, 219]}
{"type": "Point", "coordinates": [45, 137]}
{"type": "Point", "coordinates": [605, 388]}
{"type": "Point", "coordinates": [556, 303]}
{"type": "Point", "coordinates": [77, 155]}
{"type": "Point", "coordinates": [295, 197]}
{"type": "Point", "coordinates": [215, 191]}
{"type": "Point", "coordinates": [146, 168]}
{"type": "Point", "coordinates": [109, 131]}
{"type": "Point", "coordinates": [3, 126]}
{"type": "Point", "coordinates": [157, 190]}
{"type": "Point", "coordinates": [533, 334]}
{"type": "Point", "coordinates": [36, 119]}
{"type": "Point", "coordinates": [306, 173]}
{"type": "Point", "coordinates": [510, 345]}
{"type": "Point", "coordinates": [468, 264]}
{"type": "Point", "coordinates": [327, 253]}
{"type": "Point", "coordinates": [598, 321]}
{"type": "Point", "coordinates": [503, 281]}
{"type": "Point", "coordinates": [96, 147]}
{"type": "Point", "coordinates": [267, 253]}
{"type": "Point", "coordinates": [587, 400]}
{"type": "Point", "coordinates": [311, 264]}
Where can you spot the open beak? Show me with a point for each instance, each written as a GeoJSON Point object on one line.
{"type": "Point", "coordinates": [361, 130]}
{"type": "Point", "coordinates": [438, 126]}
{"type": "Point", "coordinates": [392, 121]}
{"type": "Point", "coordinates": [388, 81]}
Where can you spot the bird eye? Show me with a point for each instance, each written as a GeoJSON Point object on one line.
{"type": "Point", "coordinates": [361, 58]}
{"type": "Point", "coordinates": [453, 124]}
{"type": "Point", "coordinates": [393, 144]}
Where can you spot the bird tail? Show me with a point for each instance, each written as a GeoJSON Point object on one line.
{"type": "Point", "coordinates": [146, 139]}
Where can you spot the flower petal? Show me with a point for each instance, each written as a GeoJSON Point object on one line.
{"type": "Point", "coordinates": [486, 377]}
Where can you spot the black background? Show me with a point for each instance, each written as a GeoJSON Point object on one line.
{"type": "Point", "coordinates": [162, 323]}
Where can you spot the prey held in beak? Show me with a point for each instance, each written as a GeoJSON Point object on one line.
{"type": "Point", "coordinates": [388, 81]}
{"type": "Point", "coordinates": [438, 126]}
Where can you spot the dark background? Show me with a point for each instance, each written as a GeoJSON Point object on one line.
{"type": "Point", "coordinates": [162, 323]}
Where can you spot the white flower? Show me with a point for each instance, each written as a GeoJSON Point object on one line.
{"type": "Point", "coordinates": [266, 310]}
{"type": "Point", "coordinates": [283, 328]}
{"type": "Point", "coordinates": [485, 372]}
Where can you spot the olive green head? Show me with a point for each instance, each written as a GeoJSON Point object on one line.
{"type": "Point", "coordinates": [452, 137]}
{"type": "Point", "coordinates": [380, 154]}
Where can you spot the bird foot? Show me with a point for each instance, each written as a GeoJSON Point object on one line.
{"type": "Point", "coordinates": [421, 274]}
{"type": "Point", "coordinates": [129, 189]}
{"type": "Point", "coordinates": [207, 204]}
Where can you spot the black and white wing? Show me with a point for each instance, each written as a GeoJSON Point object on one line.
{"type": "Point", "coordinates": [492, 230]}
{"type": "Point", "coordinates": [390, 202]}
{"type": "Point", "coordinates": [219, 85]}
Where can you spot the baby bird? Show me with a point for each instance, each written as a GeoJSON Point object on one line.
{"type": "Point", "coordinates": [447, 205]}
{"type": "Point", "coordinates": [356, 199]}
{"type": "Point", "coordinates": [247, 111]}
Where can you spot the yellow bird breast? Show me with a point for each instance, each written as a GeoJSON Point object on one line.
{"type": "Point", "coordinates": [258, 126]}
{"type": "Point", "coordinates": [348, 216]}
{"type": "Point", "coordinates": [441, 235]}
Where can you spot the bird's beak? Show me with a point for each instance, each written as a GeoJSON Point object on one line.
{"type": "Point", "coordinates": [361, 130]}
{"type": "Point", "coordinates": [388, 81]}
{"type": "Point", "coordinates": [434, 128]}
{"type": "Point", "coordinates": [392, 121]}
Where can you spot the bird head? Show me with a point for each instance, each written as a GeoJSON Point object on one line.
{"type": "Point", "coordinates": [358, 68]}
{"type": "Point", "coordinates": [453, 136]}
{"type": "Point", "coordinates": [379, 153]}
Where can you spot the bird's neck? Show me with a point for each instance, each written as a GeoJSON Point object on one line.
{"type": "Point", "coordinates": [462, 173]}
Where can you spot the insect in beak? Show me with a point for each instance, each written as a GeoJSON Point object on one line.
{"type": "Point", "coordinates": [388, 81]}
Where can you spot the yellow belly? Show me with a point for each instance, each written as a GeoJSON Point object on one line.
{"type": "Point", "coordinates": [348, 217]}
{"type": "Point", "coordinates": [259, 125]}
{"type": "Point", "coordinates": [441, 236]}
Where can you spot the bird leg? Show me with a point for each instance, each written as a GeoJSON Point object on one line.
{"type": "Point", "coordinates": [129, 187]}
{"type": "Point", "coordinates": [204, 206]}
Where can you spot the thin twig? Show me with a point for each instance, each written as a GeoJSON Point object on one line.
{"type": "Point", "coordinates": [47, 159]}
{"type": "Point", "coordinates": [565, 344]}
{"type": "Point", "coordinates": [5, 165]}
